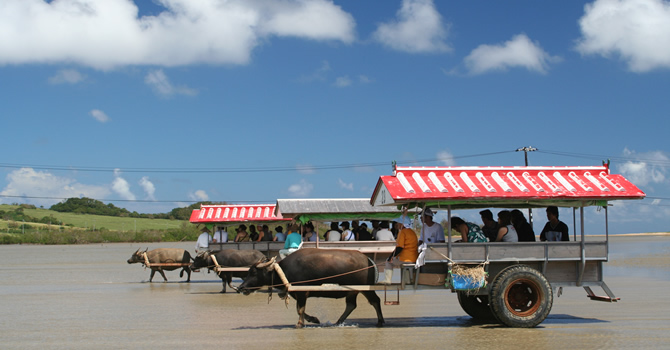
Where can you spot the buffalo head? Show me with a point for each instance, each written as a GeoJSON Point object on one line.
{"type": "Point", "coordinates": [260, 274]}
{"type": "Point", "coordinates": [137, 257]}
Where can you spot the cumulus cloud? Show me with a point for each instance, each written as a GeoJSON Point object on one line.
{"type": "Point", "coordinates": [635, 31]}
{"type": "Point", "coordinates": [650, 168]}
{"type": "Point", "coordinates": [26, 182]}
{"type": "Point", "coordinates": [199, 196]}
{"type": "Point", "coordinates": [518, 52]}
{"type": "Point", "coordinates": [109, 34]}
{"type": "Point", "coordinates": [344, 185]}
{"type": "Point", "coordinates": [301, 189]}
{"type": "Point", "coordinates": [148, 187]}
{"type": "Point", "coordinates": [121, 187]}
{"type": "Point", "coordinates": [67, 76]}
{"type": "Point", "coordinates": [99, 115]}
{"type": "Point", "coordinates": [342, 82]}
{"type": "Point", "coordinates": [418, 28]}
{"type": "Point", "coordinates": [446, 158]}
{"type": "Point", "coordinates": [162, 86]}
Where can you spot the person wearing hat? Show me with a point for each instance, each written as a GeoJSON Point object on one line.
{"type": "Point", "coordinates": [279, 236]}
{"type": "Point", "coordinates": [203, 241]}
{"type": "Point", "coordinates": [406, 249]}
{"type": "Point", "coordinates": [431, 231]}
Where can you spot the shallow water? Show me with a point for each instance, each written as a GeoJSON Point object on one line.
{"type": "Point", "coordinates": [87, 296]}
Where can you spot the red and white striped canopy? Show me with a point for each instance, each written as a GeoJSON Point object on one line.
{"type": "Point", "coordinates": [476, 187]}
{"type": "Point", "coordinates": [235, 213]}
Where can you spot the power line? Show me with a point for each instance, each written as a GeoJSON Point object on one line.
{"type": "Point", "coordinates": [658, 162]}
{"type": "Point", "coordinates": [233, 169]}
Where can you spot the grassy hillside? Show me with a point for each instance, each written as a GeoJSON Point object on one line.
{"type": "Point", "coordinates": [86, 228]}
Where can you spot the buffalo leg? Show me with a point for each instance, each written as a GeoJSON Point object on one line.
{"type": "Point", "coordinates": [374, 300]}
{"type": "Point", "coordinates": [163, 274]}
{"type": "Point", "coordinates": [230, 281]}
{"type": "Point", "coordinates": [351, 305]}
{"type": "Point", "coordinates": [188, 271]}
{"type": "Point", "coordinates": [301, 301]}
{"type": "Point", "coordinates": [223, 281]}
{"type": "Point", "coordinates": [151, 277]}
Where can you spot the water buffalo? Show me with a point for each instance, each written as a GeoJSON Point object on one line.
{"type": "Point", "coordinates": [173, 256]}
{"type": "Point", "coordinates": [308, 267]}
{"type": "Point", "coordinates": [227, 258]}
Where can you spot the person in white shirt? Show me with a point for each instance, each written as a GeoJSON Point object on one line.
{"type": "Point", "coordinates": [334, 234]}
{"type": "Point", "coordinates": [220, 235]}
{"type": "Point", "coordinates": [203, 241]}
{"type": "Point", "coordinates": [431, 231]}
{"type": "Point", "coordinates": [384, 234]}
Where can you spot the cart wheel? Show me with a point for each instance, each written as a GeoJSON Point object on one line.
{"type": "Point", "coordinates": [520, 296]}
{"type": "Point", "coordinates": [477, 306]}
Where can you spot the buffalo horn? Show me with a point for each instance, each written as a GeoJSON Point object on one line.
{"type": "Point", "coordinates": [267, 263]}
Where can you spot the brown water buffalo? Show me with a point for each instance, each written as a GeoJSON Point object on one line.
{"type": "Point", "coordinates": [227, 258]}
{"type": "Point", "coordinates": [308, 267]}
{"type": "Point", "coordinates": [174, 256]}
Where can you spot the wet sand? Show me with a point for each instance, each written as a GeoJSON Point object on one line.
{"type": "Point", "coordinates": [87, 296]}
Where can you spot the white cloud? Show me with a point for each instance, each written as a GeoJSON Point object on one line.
{"type": "Point", "coordinates": [364, 79]}
{"type": "Point", "coordinates": [121, 187]}
{"type": "Point", "coordinates": [161, 85]}
{"type": "Point", "coordinates": [99, 115]}
{"type": "Point", "coordinates": [148, 187]}
{"type": "Point", "coordinates": [342, 82]}
{"type": "Point", "coordinates": [418, 28]}
{"type": "Point", "coordinates": [318, 75]}
{"type": "Point", "coordinates": [199, 196]}
{"type": "Point", "coordinates": [105, 34]}
{"type": "Point", "coordinates": [637, 31]}
{"type": "Point", "coordinates": [301, 189]}
{"type": "Point", "coordinates": [305, 169]}
{"type": "Point", "coordinates": [518, 52]}
{"type": "Point", "coordinates": [67, 76]}
{"type": "Point", "coordinates": [446, 158]}
{"type": "Point", "coordinates": [344, 185]}
{"type": "Point", "coordinates": [646, 170]}
{"type": "Point", "coordinates": [30, 183]}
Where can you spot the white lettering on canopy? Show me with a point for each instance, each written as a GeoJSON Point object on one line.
{"type": "Point", "coordinates": [226, 212]}
{"type": "Point", "coordinates": [452, 182]}
{"type": "Point", "coordinates": [420, 182]}
{"type": "Point", "coordinates": [547, 181]}
{"type": "Point", "coordinates": [580, 182]}
{"type": "Point", "coordinates": [466, 179]}
{"type": "Point", "coordinates": [515, 180]}
{"type": "Point", "coordinates": [405, 184]}
{"type": "Point", "coordinates": [485, 182]}
{"type": "Point", "coordinates": [436, 182]}
{"type": "Point", "coordinates": [616, 186]}
{"type": "Point", "coordinates": [531, 181]}
{"type": "Point", "coordinates": [558, 176]}
{"type": "Point", "coordinates": [596, 182]}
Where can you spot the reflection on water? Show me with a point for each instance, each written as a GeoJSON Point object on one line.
{"type": "Point", "coordinates": [82, 297]}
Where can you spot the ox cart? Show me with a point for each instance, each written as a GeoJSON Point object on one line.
{"type": "Point", "coordinates": [522, 277]}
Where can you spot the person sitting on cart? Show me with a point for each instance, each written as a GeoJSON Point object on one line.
{"type": "Point", "coordinates": [384, 234]}
{"type": "Point", "coordinates": [293, 241]}
{"type": "Point", "coordinates": [242, 235]}
{"type": "Point", "coordinates": [523, 228]}
{"type": "Point", "coordinates": [490, 227]}
{"type": "Point", "coordinates": [279, 236]}
{"type": "Point", "coordinates": [308, 233]}
{"type": "Point", "coordinates": [469, 231]}
{"type": "Point", "coordinates": [347, 234]}
{"type": "Point", "coordinates": [431, 231]}
{"type": "Point", "coordinates": [334, 234]}
{"type": "Point", "coordinates": [555, 230]}
{"type": "Point", "coordinates": [406, 250]}
{"type": "Point", "coordinates": [203, 241]}
{"type": "Point", "coordinates": [506, 232]}
{"type": "Point", "coordinates": [220, 235]}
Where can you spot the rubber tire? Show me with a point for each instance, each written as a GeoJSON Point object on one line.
{"type": "Point", "coordinates": [477, 306]}
{"type": "Point", "coordinates": [520, 296]}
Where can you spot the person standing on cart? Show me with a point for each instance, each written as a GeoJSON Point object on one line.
{"type": "Point", "coordinates": [555, 230]}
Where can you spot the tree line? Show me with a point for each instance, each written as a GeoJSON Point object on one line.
{"type": "Point", "coordinates": [95, 207]}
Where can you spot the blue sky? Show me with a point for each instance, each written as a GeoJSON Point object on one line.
{"type": "Point", "coordinates": [152, 105]}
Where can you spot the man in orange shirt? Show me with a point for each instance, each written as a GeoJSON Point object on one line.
{"type": "Point", "coordinates": [405, 250]}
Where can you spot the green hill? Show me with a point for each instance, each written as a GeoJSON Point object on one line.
{"type": "Point", "coordinates": [43, 226]}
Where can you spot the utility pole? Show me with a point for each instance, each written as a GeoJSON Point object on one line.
{"type": "Point", "coordinates": [525, 155]}
{"type": "Point", "coordinates": [525, 152]}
